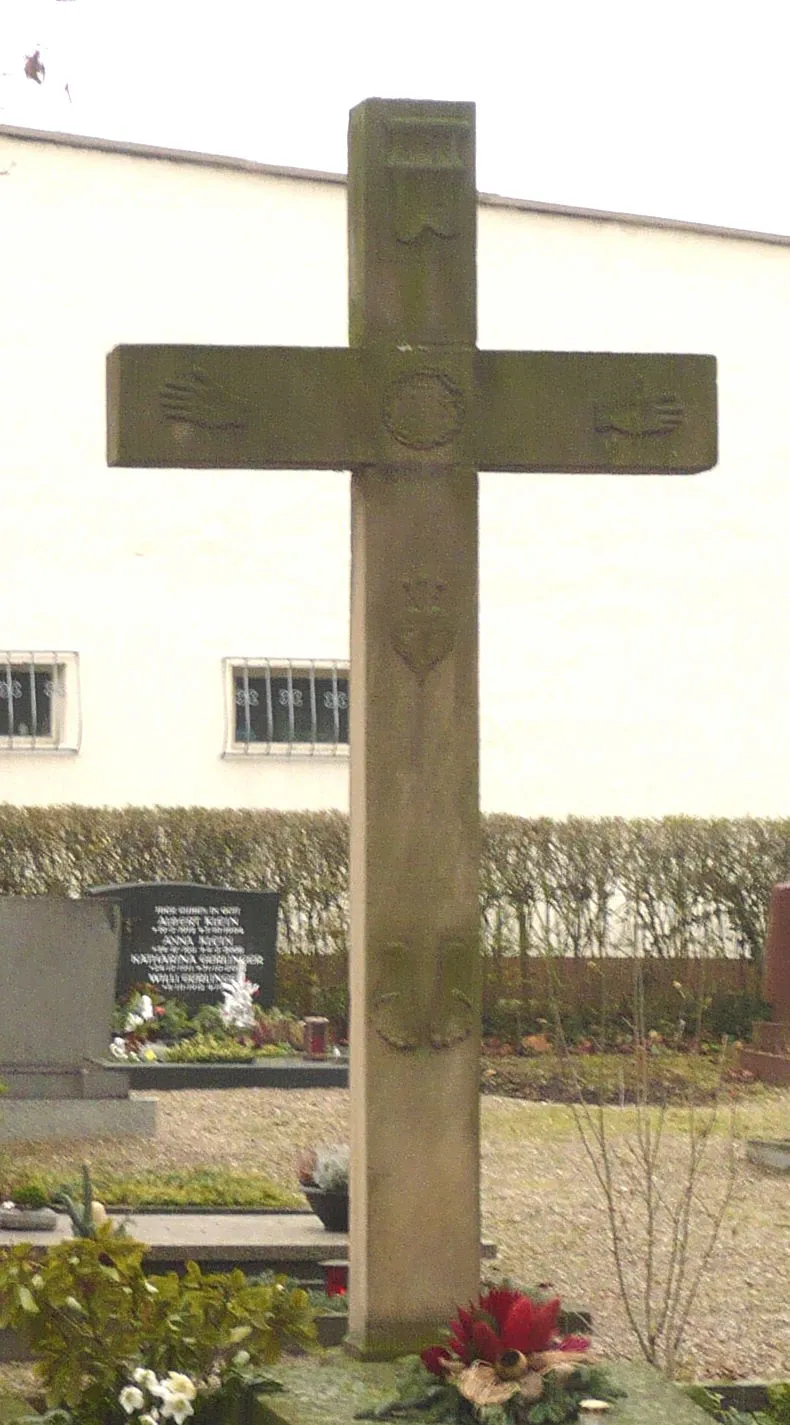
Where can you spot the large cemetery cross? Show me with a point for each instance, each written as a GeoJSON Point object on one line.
{"type": "Point", "coordinates": [414, 410]}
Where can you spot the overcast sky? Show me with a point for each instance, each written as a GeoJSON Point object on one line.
{"type": "Point", "coordinates": [675, 109]}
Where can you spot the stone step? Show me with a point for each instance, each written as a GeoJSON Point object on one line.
{"type": "Point", "coordinates": [265, 1073]}
{"type": "Point", "coordinates": [769, 1068]}
{"type": "Point", "coordinates": [218, 1241]}
{"type": "Point", "coordinates": [290, 1242]}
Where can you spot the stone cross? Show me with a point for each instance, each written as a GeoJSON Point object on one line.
{"type": "Point", "coordinates": [414, 410]}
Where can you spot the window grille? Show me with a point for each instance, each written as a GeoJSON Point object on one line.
{"type": "Point", "coordinates": [276, 705]}
{"type": "Point", "coordinates": [39, 701]}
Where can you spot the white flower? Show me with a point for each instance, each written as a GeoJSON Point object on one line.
{"type": "Point", "coordinates": [177, 1406]}
{"type": "Point", "coordinates": [145, 1007]}
{"type": "Point", "coordinates": [145, 1378]}
{"type": "Point", "coordinates": [150, 1417]}
{"type": "Point", "coordinates": [6, 1206]}
{"type": "Point", "coordinates": [178, 1384]}
{"type": "Point", "coordinates": [131, 1399]}
{"type": "Point", "coordinates": [118, 1048]}
{"type": "Point", "coordinates": [241, 1358]}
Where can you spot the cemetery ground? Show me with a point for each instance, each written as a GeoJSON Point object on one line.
{"type": "Point", "coordinates": [541, 1204]}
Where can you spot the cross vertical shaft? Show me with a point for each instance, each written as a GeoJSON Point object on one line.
{"type": "Point", "coordinates": [414, 1242]}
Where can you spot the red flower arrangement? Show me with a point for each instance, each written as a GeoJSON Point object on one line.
{"type": "Point", "coordinates": [500, 1349]}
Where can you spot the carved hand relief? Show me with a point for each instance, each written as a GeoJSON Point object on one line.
{"type": "Point", "coordinates": [194, 399]}
{"type": "Point", "coordinates": [640, 414]}
{"type": "Point", "coordinates": [423, 626]}
{"type": "Point", "coordinates": [453, 1012]}
{"type": "Point", "coordinates": [423, 410]}
{"type": "Point", "coordinates": [428, 160]}
{"type": "Point", "coordinates": [395, 1014]}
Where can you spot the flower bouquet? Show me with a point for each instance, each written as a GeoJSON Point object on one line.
{"type": "Point", "coordinates": [505, 1363]}
{"type": "Point", "coordinates": [323, 1177]}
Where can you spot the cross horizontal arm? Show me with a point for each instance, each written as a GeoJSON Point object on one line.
{"type": "Point", "coordinates": [219, 407]}
{"type": "Point", "coordinates": [320, 408]}
{"type": "Point", "coordinates": [594, 412]}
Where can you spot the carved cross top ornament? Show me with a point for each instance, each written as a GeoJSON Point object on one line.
{"type": "Point", "coordinates": [414, 410]}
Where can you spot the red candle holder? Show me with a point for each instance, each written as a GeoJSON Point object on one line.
{"type": "Point", "coordinates": [335, 1278]}
{"type": "Point", "coordinates": [315, 1036]}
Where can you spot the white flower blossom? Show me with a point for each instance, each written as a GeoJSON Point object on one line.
{"type": "Point", "coordinates": [118, 1048]}
{"type": "Point", "coordinates": [143, 1376]}
{"type": "Point", "coordinates": [176, 1406]}
{"type": "Point", "coordinates": [179, 1384]}
{"type": "Point", "coordinates": [150, 1418]}
{"type": "Point", "coordinates": [131, 1399]}
{"type": "Point", "coordinates": [143, 1011]}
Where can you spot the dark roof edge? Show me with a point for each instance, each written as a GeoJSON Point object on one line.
{"type": "Point", "coordinates": [309, 175]}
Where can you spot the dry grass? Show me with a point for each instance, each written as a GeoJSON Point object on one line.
{"type": "Point", "coordinates": [540, 1202]}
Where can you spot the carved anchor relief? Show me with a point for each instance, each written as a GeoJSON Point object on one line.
{"type": "Point", "coordinates": [398, 1016]}
{"type": "Point", "coordinates": [423, 627]}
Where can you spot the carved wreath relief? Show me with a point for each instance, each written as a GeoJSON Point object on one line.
{"type": "Point", "coordinates": [423, 410]}
{"type": "Point", "coordinates": [195, 399]}
{"type": "Point", "coordinates": [398, 1016]}
{"type": "Point", "coordinates": [428, 160]}
{"type": "Point", "coordinates": [423, 625]}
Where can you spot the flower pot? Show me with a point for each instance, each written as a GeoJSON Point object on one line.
{"type": "Point", "coordinates": [330, 1207]}
{"type": "Point", "coordinates": [28, 1219]}
{"type": "Point", "coordinates": [769, 1153]}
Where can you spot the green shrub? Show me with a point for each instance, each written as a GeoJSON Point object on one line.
{"type": "Point", "coordinates": [276, 1026]}
{"type": "Point", "coordinates": [210, 1049]}
{"type": "Point", "coordinates": [208, 1020]}
{"type": "Point", "coordinates": [190, 1187]}
{"type": "Point", "coordinates": [30, 1193]}
{"type": "Point", "coordinates": [90, 1315]}
{"type": "Point", "coordinates": [733, 1014]}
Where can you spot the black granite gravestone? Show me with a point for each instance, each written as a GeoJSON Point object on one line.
{"type": "Point", "coordinates": [186, 939]}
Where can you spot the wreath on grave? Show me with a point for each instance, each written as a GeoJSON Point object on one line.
{"type": "Point", "coordinates": [504, 1363]}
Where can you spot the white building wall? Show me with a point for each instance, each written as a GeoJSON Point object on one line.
{"type": "Point", "coordinates": [632, 630]}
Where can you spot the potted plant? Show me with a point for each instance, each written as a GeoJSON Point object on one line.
{"type": "Point", "coordinates": [28, 1209]}
{"type": "Point", "coordinates": [323, 1175]}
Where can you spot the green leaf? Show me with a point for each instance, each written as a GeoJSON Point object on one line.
{"type": "Point", "coordinates": [26, 1300]}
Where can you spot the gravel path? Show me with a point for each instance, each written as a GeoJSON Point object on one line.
{"type": "Point", "coordinates": [542, 1206]}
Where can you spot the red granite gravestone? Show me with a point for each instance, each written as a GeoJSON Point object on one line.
{"type": "Point", "coordinates": [769, 1055]}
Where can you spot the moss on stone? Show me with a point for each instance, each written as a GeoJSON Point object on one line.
{"type": "Point", "coordinates": [329, 1388]}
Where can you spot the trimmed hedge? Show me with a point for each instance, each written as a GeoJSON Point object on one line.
{"type": "Point", "coordinates": [667, 888]}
